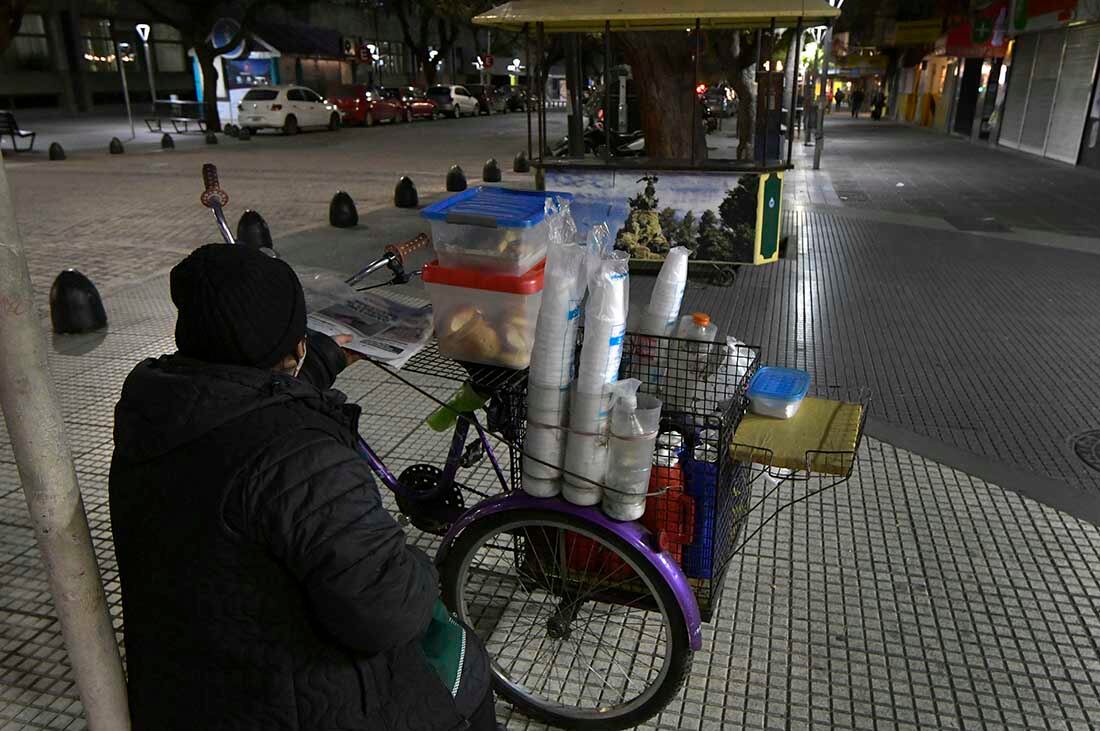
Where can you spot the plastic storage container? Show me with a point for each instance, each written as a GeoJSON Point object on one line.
{"type": "Point", "coordinates": [778, 392]}
{"type": "Point", "coordinates": [482, 317]}
{"type": "Point", "coordinates": [491, 229]}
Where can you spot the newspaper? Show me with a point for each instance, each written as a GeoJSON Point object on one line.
{"type": "Point", "coordinates": [382, 328]}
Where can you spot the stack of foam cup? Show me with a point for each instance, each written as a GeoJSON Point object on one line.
{"type": "Point", "coordinates": [586, 452]}
{"type": "Point", "coordinates": [551, 370]}
{"type": "Point", "coordinates": [659, 318]}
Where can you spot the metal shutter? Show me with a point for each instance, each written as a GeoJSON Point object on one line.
{"type": "Point", "coordinates": [1023, 58]}
{"type": "Point", "coordinates": [1071, 103]}
{"type": "Point", "coordinates": [1040, 98]}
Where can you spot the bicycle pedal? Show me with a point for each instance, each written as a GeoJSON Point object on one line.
{"type": "Point", "coordinates": [472, 454]}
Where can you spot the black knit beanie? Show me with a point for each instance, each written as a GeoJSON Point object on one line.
{"type": "Point", "coordinates": [237, 306]}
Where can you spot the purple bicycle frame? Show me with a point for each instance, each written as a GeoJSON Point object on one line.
{"type": "Point", "coordinates": [632, 532]}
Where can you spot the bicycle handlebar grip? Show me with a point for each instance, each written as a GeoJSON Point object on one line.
{"type": "Point", "coordinates": [404, 249]}
{"type": "Point", "coordinates": [213, 188]}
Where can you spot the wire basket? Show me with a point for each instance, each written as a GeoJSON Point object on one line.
{"type": "Point", "coordinates": [697, 498]}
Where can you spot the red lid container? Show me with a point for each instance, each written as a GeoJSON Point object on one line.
{"type": "Point", "coordinates": [529, 283]}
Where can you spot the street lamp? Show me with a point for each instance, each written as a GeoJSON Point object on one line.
{"type": "Point", "coordinates": [820, 136]}
{"type": "Point", "coordinates": [143, 30]}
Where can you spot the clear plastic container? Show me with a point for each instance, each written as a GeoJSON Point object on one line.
{"type": "Point", "coordinates": [484, 318]}
{"type": "Point", "coordinates": [491, 229]}
{"type": "Point", "coordinates": [778, 392]}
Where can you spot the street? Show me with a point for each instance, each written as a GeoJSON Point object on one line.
{"type": "Point", "coordinates": [954, 582]}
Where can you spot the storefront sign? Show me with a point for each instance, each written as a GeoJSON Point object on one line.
{"type": "Point", "coordinates": [981, 36]}
{"type": "Point", "coordinates": [1031, 15]}
{"type": "Point", "coordinates": [917, 32]}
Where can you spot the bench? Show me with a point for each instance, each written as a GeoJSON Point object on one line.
{"type": "Point", "coordinates": [9, 127]}
{"type": "Point", "coordinates": [182, 125]}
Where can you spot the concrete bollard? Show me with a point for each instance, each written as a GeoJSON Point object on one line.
{"type": "Point", "coordinates": [75, 304]}
{"type": "Point", "coordinates": [166, 142]}
{"type": "Point", "coordinates": [405, 195]}
{"type": "Point", "coordinates": [521, 164]}
{"type": "Point", "coordinates": [243, 134]}
{"type": "Point", "coordinates": [456, 179]}
{"type": "Point", "coordinates": [115, 148]}
{"type": "Point", "coordinates": [252, 231]}
{"type": "Point", "coordinates": [341, 211]}
{"type": "Point", "coordinates": [57, 152]}
{"type": "Point", "coordinates": [491, 172]}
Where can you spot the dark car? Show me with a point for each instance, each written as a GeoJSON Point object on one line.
{"type": "Point", "coordinates": [515, 98]}
{"type": "Point", "coordinates": [367, 105]}
{"type": "Point", "coordinates": [489, 98]}
{"type": "Point", "coordinates": [417, 104]}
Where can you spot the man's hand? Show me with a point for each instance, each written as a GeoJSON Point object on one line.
{"type": "Point", "coordinates": [351, 355]}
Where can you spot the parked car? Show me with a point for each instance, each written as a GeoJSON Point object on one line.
{"type": "Point", "coordinates": [489, 98]}
{"type": "Point", "coordinates": [367, 105]}
{"type": "Point", "coordinates": [453, 100]}
{"type": "Point", "coordinates": [289, 108]}
{"type": "Point", "coordinates": [416, 102]}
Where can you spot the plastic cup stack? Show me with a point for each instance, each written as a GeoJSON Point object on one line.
{"type": "Point", "coordinates": [544, 447]}
{"type": "Point", "coordinates": [633, 438]}
{"type": "Point", "coordinates": [586, 450]}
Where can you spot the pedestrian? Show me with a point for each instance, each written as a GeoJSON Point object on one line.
{"type": "Point", "coordinates": [877, 105]}
{"type": "Point", "coordinates": [839, 96]}
{"type": "Point", "coordinates": [264, 584]}
{"type": "Point", "coordinates": [857, 102]}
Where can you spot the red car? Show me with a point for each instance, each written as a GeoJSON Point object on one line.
{"type": "Point", "coordinates": [367, 105]}
{"type": "Point", "coordinates": [415, 100]}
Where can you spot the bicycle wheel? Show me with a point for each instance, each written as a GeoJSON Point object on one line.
{"type": "Point", "coordinates": [581, 630]}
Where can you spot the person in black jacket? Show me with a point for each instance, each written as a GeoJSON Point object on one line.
{"type": "Point", "coordinates": [264, 585]}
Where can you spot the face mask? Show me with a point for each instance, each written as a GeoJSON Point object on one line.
{"type": "Point", "coordinates": [301, 362]}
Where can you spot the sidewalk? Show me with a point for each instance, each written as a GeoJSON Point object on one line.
{"type": "Point", "coordinates": [931, 591]}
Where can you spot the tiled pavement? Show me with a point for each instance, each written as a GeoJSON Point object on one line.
{"type": "Point", "coordinates": [915, 596]}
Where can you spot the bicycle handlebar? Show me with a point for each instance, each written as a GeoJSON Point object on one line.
{"type": "Point", "coordinates": [403, 249]}
{"type": "Point", "coordinates": [394, 257]}
{"type": "Point", "coordinates": [213, 192]}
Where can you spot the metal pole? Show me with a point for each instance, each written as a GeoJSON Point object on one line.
{"type": "Point", "coordinates": [811, 82]}
{"type": "Point", "coordinates": [125, 88]}
{"type": "Point", "coordinates": [41, 447]}
{"type": "Point", "coordinates": [530, 88]}
{"type": "Point", "coordinates": [152, 83]}
{"type": "Point", "coordinates": [606, 90]}
{"type": "Point", "coordinates": [794, 89]}
{"type": "Point", "coordinates": [819, 138]}
{"type": "Point", "coordinates": [542, 88]}
{"type": "Point", "coordinates": [695, 100]}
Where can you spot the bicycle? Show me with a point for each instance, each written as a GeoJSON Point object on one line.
{"type": "Point", "coordinates": [589, 622]}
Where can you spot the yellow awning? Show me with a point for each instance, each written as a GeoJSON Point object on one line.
{"type": "Point", "coordinates": [589, 16]}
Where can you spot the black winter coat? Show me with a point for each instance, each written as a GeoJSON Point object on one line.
{"type": "Point", "coordinates": [264, 585]}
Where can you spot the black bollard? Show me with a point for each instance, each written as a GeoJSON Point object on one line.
{"type": "Point", "coordinates": [341, 211]}
{"type": "Point", "coordinates": [252, 231]}
{"type": "Point", "coordinates": [521, 164]}
{"type": "Point", "coordinates": [405, 195]}
{"type": "Point", "coordinates": [75, 304]}
{"type": "Point", "coordinates": [456, 179]}
{"type": "Point", "coordinates": [231, 129]}
{"type": "Point", "coordinates": [211, 138]}
{"type": "Point", "coordinates": [491, 172]}
{"type": "Point", "coordinates": [115, 148]}
{"type": "Point", "coordinates": [57, 152]}
{"type": "Point", "coordinates": [243, 134]}
{"type": "Point", "coordinates": [540, 179]}
{"type": "Point", "coordinates": [166, 142]}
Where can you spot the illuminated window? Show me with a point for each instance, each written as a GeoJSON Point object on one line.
{"type": "Point", "coordinates": [99, 49]}
{"type": "Point", "coordinates": [30, 49]}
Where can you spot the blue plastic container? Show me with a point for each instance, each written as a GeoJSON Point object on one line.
{"type": "Point", "coordinates": [701, 483]}
{"type": "Point", "coordinates": [491, 229]}
{"type": "Point", "coordinates": [778, 392]}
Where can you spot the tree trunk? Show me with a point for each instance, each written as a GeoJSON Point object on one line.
{"type": "Point", "coordinates": [206, 57]}
{"type": "Point", "coordinates": [663, 67]}
{"type": "Point", "coordinates": [737, 54]}
{"type": "Point", "coordinates": [746, 113]}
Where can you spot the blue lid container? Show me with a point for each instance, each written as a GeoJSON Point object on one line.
{"type": "Point", "coordinates": [494, 207]}
{"type": "Point", "coordinates": [778, 392]}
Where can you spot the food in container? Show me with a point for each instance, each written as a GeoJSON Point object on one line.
{"type": "Point", "coordinates": [484, 317]}
{"type": "Point", "coordinates": [492, 229]}
{"type": "Point", "coordinates": [778, 392]}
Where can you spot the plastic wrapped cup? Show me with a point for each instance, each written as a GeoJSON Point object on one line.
{"type": "Point", "coordinates": [547, 400]}
{"type": "Point", "coordinates": [626, 494]}
{"type": "Point", "coordinates": [543, 451]}
{"type": "Point", "coordinates": [535, 487]}
{"type": "Point", "coordinates": [586, 458]}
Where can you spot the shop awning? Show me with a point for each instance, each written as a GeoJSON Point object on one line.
{"type": "Point", "coordinates": [570, 16]}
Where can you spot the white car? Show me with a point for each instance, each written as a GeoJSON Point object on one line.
{"type": "Point", "coordinates": [454, 100]}
{"type": "Point", "coordinates": [289, 108]}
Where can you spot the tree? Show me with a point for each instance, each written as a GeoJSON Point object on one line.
{"type": "Point", "coordinates": [663, 67]}
{"type": "Point", "coordinates": [736, 52]}
{"type": "Point", "coordinates": [11, 17]}
{"type": "Point", "coordinates": [195, 20]}
{"type": "Point", "coordinates": [431, 41]}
